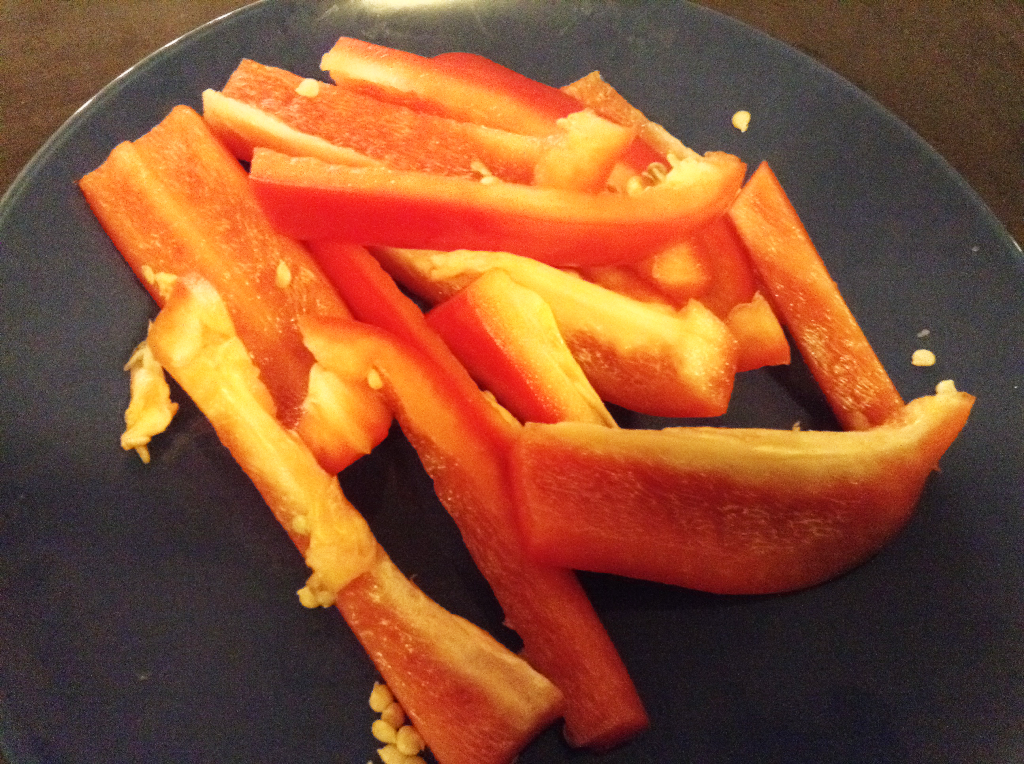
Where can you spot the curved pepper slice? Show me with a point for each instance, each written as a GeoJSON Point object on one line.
{"type": "Point", "coordinates": [194, 339]}
{"type": "Point", "coordinates": [175, 202]}
{"type": "Point", "coordinates": [374, 298]}
{"type": "Point", "coordinates": [760, 338]}
{"type": "Point", "coordinates": [598, 95]}
{"type": "Point", "coordinates": [463, 86]}
{"type": "Point", "coordinates": [307, 198]}
{"type": "Point", "coordinates": [731, 511]}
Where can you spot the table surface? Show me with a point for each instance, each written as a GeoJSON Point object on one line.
{"type": "Point", "coordinates": [953, 71]}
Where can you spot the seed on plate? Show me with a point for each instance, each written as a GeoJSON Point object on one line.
{"type": "Point", "coordinates": [923, 357]}
{"type": "Point", "coordinates": [380, 697]}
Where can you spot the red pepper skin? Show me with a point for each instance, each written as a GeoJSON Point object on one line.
{"type": "Point", "coordinates": [462, 86]}
{"type": "Point", "coordinates": [636, 356]}
{"type": "Point", "coordinates": [261, 105]}
{"type": "Point", "coordinates": [722, 510]}
{"type": "Point", "coordinates": [175, 201]}
{"type": "Point", "coordinates": [810, 306]}
{"type": "Point", "coordinates": [760, 339]}
{"type": "Point", "coordinates": [463, 442]}
{"type": "Point", "coordinates": [506, 337]}
{"type": "Point", "coordinates": [471, 700]}
{"type": "Point", "coordinates": [374, 298]}
{"type": "Point", "coordinates": [459, 89]}
{"type": "Point", "coordinates": [505, 83]}
{"type": "Point", "coordinates": [310, 199]}
{"type": "Point", "coordinates": [595, 93]}
{"type": "Point", "coordinates": [544, 99]}
{"type": "Point", "coordinates": [733, 280]}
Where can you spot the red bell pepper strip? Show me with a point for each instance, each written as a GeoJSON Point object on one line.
{"type": "Point", "coordinates": [310, 199]}
{"type": "Point", "coordinates": [650, 360]}
{"type": "Point", "coordinates": [595, 93]}
{"type": "Point", "coordinates": [464, 86]}
{"type": "Point", "coordinates": [374, 298]}
{"type": "Point", "coordinates": [760, 339]}
{"type": "Point", "coordinates": [447, 418]}
{"type": "Point", "coordinates": [175, 202]}
{"type": "Point", "coordinates": [584, 154]}
{"type": "Point", "coordinates": [624, 280]}
{"type": "Point", "coordinates": [339, 422]}
{"type": "Point", "coordinates": [810, 306]}
{"type": "Point", "coordinates": [506, 337]}
{"type": "Point", "coordinates": [194, 339]}
{"type": "Point", "coordinates": [711, 266]}
{"type": "Point", "coordinates": [733, 280]}
{"type": "Point", "coordinates": [471, 699]}
{"type": "Point", "coordinates": [265, 106]}
{"type": "Point", "coordinates": [556, 103]}
{"type": "Point", "coordinates": [506, 102]}
{"type": "Point", "coordinates": [723, 510]}
{"type": "Point", "coordinates": [503, 83]}
{"type": "Point", "coordinates": [463, 441]}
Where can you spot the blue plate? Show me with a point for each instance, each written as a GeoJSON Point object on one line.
{"type": "Point", "coordinates": [149, 614]}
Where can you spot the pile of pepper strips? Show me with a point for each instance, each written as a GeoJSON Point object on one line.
{"type": "Point", "coordinates": [259, 330]}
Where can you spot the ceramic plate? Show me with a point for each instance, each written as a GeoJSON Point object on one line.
{"type": "Point", "coordinates": [149, 614]}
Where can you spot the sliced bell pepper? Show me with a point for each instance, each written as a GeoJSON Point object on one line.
{"type": "Point", "coordinates": [506, 337]}
{"type": "Point", "coordinates": [464, 87]}
{"type": "Point", "coordinates": [712, 266]}
{"type": "Point", "coordinates": [546, 101]}
{"type": "Point", "coordinates": [175, 202]}
{"type": "Point", "coordinates": [760, 339]}
{"type": "Point", "coordinates": [635, 355]}
{"type": "Point", "coordinates": [194, 339]}
{"type": "Point", "coordinates": [266, 106]}
{"type": "Point", "coordinates": [730, 511]}
{"type": "Point", "coordinates": [625, 281]}
{"type": "Point", "coordinates": [471, 699]}
{"type": "Point", "coordinates": [598, 95]}
{"type": "Point", "coordinates": [583, 154]}
{"type": "Point", "coordinates": [462, 442]}
{"type": "Point", "coordinates": [374, 298]}
{"type": "Point", "coordinates": [340, 421]}
{"type": "Point", "coordinates": [810, 306]}
{"type": "Point", "coordinates": [733, 280]}
{"type": "Point", "coordinates": [678, 274]}
{"type": "Point", "coordinates": [307, 198]}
